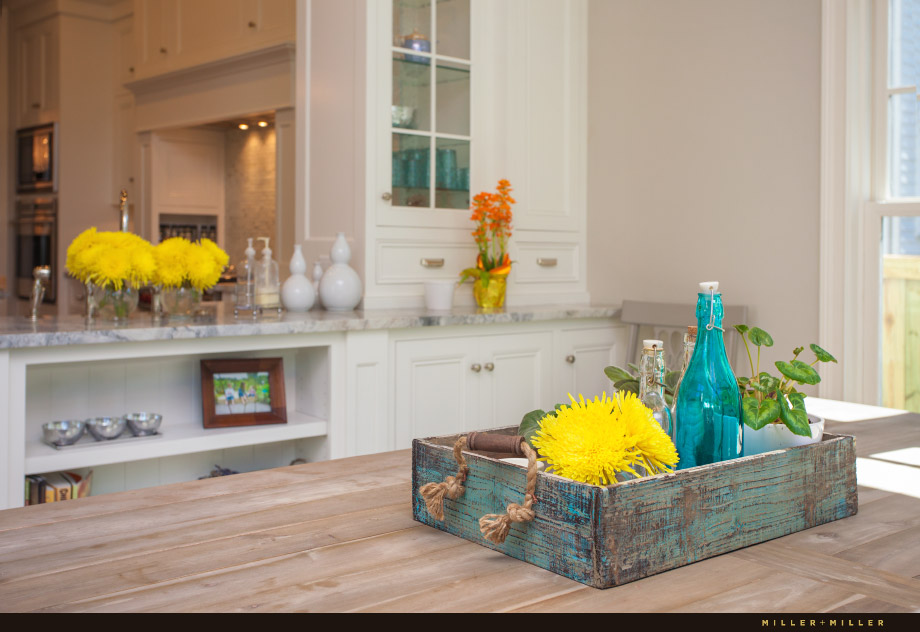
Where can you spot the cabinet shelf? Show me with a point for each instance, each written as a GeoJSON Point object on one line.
{"type": "Point", "coordinates": [186, 438]}
{"type": "Point", "coordinates": [417, 73]}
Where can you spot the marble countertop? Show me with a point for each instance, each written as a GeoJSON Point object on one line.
{"type": "Point", "coordinates": [19, 332]}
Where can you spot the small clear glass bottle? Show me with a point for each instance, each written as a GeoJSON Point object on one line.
{"type": "Point", "coordinates": [689, 345]}
{"type": "Point", "coordinates": [651, 383]}
{"type": "Point", "coordinates": [245, 304]}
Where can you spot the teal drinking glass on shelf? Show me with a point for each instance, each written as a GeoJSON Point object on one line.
{"type": "Point", "coordinates": [708, 411]}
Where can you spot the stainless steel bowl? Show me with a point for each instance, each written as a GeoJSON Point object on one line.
{"type": "Point", "coordinates": [65, 432]}
{"type": "Point", "coordinates": [143, 424]}
{"type": "Point", "coordinates": [103, 428]}
{"type": "Point", "coordinates": [402, 115]}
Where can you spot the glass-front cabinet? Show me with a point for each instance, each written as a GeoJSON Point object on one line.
{"type": "Point", "coordinates": [431, 122]}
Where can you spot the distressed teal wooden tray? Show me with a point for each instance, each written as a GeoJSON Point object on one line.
{"type": "Point", "coordinates": [607, 536]}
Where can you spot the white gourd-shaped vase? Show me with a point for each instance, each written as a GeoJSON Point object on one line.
{"type": "Point", "coordinates": [297, 293]}
{"type": "Point", "coordinates": [340, 288]}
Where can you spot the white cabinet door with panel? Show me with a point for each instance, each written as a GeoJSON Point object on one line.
{"type": "Point", "coordinates": [37, 68]}
{"type": "Point", "coordinates": [460, 384]}
{"type": "Point", "coordinates": [517, 377]}
{"type": "Point", "coordinates": [437, 387]}
{"type": "Point", "coordinates": [580, 357]}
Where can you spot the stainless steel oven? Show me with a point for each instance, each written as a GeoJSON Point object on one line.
{"type": "Point", "coordinates": [36, 244]}
{"type": "Point", "coordinates": [36, 159]}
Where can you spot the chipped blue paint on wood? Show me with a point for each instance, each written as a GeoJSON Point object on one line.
{"type": "Point", "coordinates": [607, 536]}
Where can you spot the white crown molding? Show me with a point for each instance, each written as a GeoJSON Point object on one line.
{"type": "Point", "coordinates": [228, 66]}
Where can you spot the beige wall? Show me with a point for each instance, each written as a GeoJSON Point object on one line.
{"type": "Point", "coordinates": [703, 156]}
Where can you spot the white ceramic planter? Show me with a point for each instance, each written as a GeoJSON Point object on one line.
{"type": "Point", "coordinates": [778, 437]}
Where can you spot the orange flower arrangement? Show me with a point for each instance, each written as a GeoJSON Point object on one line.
{"type": "Point", "coordinates": [492, 214]}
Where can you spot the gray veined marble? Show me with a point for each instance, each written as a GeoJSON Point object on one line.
{"type": "Point", "coordinates": [18, 332]}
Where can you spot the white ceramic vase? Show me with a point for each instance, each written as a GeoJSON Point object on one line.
{"type": "Point", "coordinates": [297, 293]}
{"type": "Point", "coordinates": [340, 288]}
{"type": "Point", "coordinates": [779, 437]}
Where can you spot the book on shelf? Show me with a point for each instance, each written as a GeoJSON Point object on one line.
{"type": "Point", "coordinates": [56, 486]}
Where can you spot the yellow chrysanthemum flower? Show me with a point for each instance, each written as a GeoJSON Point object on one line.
{"type": "Point", "coordinates": [593, 441]}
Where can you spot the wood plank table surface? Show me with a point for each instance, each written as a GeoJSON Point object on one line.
{"type": "Point", "coordinates": [339, 536]}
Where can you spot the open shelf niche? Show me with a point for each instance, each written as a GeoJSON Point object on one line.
{"type": "Point", "coordinates": [171, 386]}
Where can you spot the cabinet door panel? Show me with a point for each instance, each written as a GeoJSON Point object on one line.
{"type": "Point", "coordinates": [520, 380]}
{"type": "Point", "coordinates": [273, 20]}
{"type": "Point", "coordinates": [436, 392]}
{"type": "Point", "coordinates": [580, 359]}
{"type": "Point", "coordinates": [207, 27]}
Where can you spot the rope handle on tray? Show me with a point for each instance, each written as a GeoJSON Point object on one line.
{"type": "Point", "coordinates": [494, 527]}
{"type": "Point", "coordinates": [452, 487]}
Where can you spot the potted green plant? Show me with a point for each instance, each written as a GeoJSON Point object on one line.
{"type": "Point", "coordinates": [773, 408]}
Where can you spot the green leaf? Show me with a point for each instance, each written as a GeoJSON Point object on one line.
{"type": "Point", "coordinates": [560, 406]}
{"type": "Point", "coordinates": [795, 420]}
{"type": "Point", "coordinates": [744, 381]}
{"type": "Point", "coordinates": [669, 399]}
{"type": "Point", "coordinates": [530, 424]}
{"type": "Point", "coordinates": [742, 329]}
{"type": "Point", "coordinates": [634, 368]}
{"type": "Point", "coordinates": [797, 350]}
{"type": "Point", "coordinates": [797, 400]}
{"type": "Point", "coordinates": [768, 381]}
{"type": "Point", "coordinates": [821, 354]}
{"type": "Point", "coordinates": [616, 374]}
{"type": "Point", "coordinates": [799, 372]}
{"type": "Point", "coordinates": [469, 273]}
{"type": "Point", "coordinates": [760, 338]}
{"type": "Point", "coordinates": [631, 386]}
{"type": "Point", "coordinates": [760, 388]}
{"type": "Point", "coordinates": [671, 378]}
{"type": "Point", "coordinates": [756, 414]}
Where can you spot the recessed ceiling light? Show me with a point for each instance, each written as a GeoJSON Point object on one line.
{"type": "Point", "coordinates": [244, 126]}
{"type": "Point", "coordinates": [263, 124]}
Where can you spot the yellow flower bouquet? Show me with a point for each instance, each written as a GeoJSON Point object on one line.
{"type": "Point", "coordinates": [112, 265]}
{"type": "Point", "coordinates": [184, 270]}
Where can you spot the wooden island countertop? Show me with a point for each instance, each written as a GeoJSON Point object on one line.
{"type": "Point", "coordinates": [339, 536]}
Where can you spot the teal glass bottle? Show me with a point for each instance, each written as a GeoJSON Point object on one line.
{"type": "Point", "coordinates": [708, 411]}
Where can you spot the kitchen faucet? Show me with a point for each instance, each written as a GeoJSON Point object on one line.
{"type": "Point", "coordinates": [123, 211]}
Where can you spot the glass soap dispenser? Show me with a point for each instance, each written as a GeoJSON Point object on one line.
{"type": "Point", "coordinates": [268, 285]}
{"type": "Point", "coordinates": [708, 402]}
{"type": "Point", "coordinates": [246, 284]}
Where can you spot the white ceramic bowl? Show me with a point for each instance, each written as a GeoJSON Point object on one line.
{"type": "Point", "coordinates": [778, 437]}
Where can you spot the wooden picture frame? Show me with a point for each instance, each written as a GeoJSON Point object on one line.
{"type": "Point", "coordinates": [251, 406]}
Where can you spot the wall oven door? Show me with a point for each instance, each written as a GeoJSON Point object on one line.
{"type": "Point", "coordinates": [36, 244]}
{"type": "Point", "coordinates": [36, 159]}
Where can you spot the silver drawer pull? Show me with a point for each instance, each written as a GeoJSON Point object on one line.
{"type": "Point", "coordinates": [546, 262]}
{"type": "Point", "coordinates": [432, 263]}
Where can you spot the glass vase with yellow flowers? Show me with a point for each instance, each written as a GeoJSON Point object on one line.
{"type": "Point", "coordinates": [112, 265]}
{"type": "Point", "coordinates": [492, 214]}
{"type": "Point", "coordinates": [184, 270]}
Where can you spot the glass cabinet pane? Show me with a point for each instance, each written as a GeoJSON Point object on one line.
{"type": "Point", "coordinates": [411, 170]}
{"type": "Point", "coordinates": [454, 28]}
{"type": "Point", "coordinates": [411, 93]}
{"type": "Point", "coordinates": [453, 98]}
{"type": "Point", "coordinates": [452, 173]}
{"type": "Point", "coordinates": [412, 25]}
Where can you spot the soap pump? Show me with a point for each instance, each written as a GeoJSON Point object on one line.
{"type": "Point", "coordinates": [268, 286]}
{"type": "Point", "coordinates": [245, 284]}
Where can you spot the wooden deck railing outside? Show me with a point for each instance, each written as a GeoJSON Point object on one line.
{"type": "Point", "coordinates": [901, 332]}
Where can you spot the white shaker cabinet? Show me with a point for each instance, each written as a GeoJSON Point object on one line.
{"type": "Point", "coordinates": [449, 98]}
{"type": "Point", "coordinates": [580, 357]}
{"type": "Point", "coordinates": [176, 34]}
{"type": "Point", "coordinates": [36, 70]}
{"type": "Point", "coordinates": [464, 383]}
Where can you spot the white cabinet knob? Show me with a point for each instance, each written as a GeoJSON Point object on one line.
{"type": "Point", "coordinates": [387, 196]}
{"type": "Point", "coordinates": [570, 359]}
{"type": "Point", "coordinates": [476, 368]}
{"type": "Point", "coordinates": [490, 366]}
